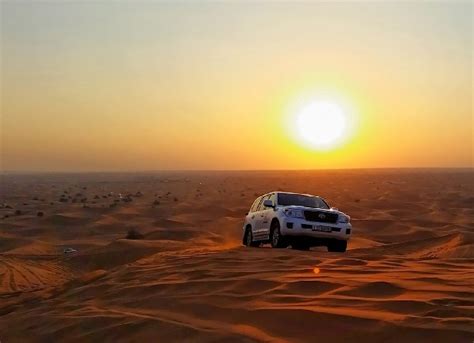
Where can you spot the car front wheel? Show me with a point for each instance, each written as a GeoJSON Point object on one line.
{"type": "Point", "coordinates": [300, 246]}
{"type": "Point", "coordinates": [337, 246]}
{"type": "Point", "coordinates": [276, 239]}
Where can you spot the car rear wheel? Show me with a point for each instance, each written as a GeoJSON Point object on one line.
{"type": "Point", "coordinates": [276, 239]}
{"type": "Point", "coordinates": [248, 239]}
{"type": "Point", "coordinates": [337, 246]}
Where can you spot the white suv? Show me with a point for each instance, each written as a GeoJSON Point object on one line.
{"type": "Point", "coordinates": [299, 220]}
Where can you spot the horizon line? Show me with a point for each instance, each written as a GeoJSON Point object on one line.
{"type": "Point", "coordinates": [6, 172]}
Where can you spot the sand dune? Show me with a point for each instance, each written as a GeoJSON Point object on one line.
{"type": "Point", "coordinates": [408, 274]}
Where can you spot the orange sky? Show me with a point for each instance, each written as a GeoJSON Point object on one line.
{"type": "Point", "coordinates": [150, 86]}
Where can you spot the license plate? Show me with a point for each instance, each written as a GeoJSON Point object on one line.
{"type": "Point", "coordinates": [322, 228]}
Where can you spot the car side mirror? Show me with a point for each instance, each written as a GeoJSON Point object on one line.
{"type": "Point", "coordinates": [268, 203]}
{"type": "Point", "coordinates": [334, 209]}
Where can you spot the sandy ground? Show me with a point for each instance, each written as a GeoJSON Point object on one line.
{"type": "Point", "coordinates": [408, 276]}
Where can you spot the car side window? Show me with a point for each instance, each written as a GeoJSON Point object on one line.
{"type": "Point", "coordinates": [273, 198]}
{"type": "Point", "coordinates": [255, 204]}
{"type": "Point", "coordinates": [260, 205]}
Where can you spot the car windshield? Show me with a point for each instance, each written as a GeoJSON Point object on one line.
{"type": "Point", "coordinates": [288, 199]}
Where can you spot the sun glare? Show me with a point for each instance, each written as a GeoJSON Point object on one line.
{"type": "Point", "coordinates": [321, 125]}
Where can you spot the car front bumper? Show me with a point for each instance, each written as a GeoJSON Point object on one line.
{"type": "Point", "coordinates": [301, 227]}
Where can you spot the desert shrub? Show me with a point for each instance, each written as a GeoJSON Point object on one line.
{"type": "Point", "coordinates": [133, 234]}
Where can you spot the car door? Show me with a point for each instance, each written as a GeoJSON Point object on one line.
{"type": "Point", "coordinates": [266, 216]}
{"type": "Point", "coordinates": [260, 227]}
{"type": "Point", "coordinates": [252, 216]}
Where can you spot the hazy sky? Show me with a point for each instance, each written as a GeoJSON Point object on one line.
{"type": "Point", "coordinates": [104, 85]}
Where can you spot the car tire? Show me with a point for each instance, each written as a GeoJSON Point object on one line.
{"type": "Point", "coordinates": [248, 239]}
{"type": "Point", "coordinates": [300, 246]}
{"type": "Point", "coordinates": [276, 239]}
{"type": "Point", "coordinates": [337, 246]}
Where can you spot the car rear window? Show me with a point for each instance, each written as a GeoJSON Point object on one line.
{"type": "Point", "coordinates": [288, 199]}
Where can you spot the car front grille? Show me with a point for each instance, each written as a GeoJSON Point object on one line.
{"type": "Point", "coordinates": [319, 216]}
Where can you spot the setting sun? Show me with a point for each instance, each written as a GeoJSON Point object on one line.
{"type": "Point", "coordinates": [321, 125]}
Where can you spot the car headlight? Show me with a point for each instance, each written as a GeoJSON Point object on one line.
{"type": "Point", "coordinates": [294, 213]}
{"type": "Point", "coordinates": [344, 219]}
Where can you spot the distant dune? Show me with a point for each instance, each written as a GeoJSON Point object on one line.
{"type": "Point", "coordinates": [408, 275]}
